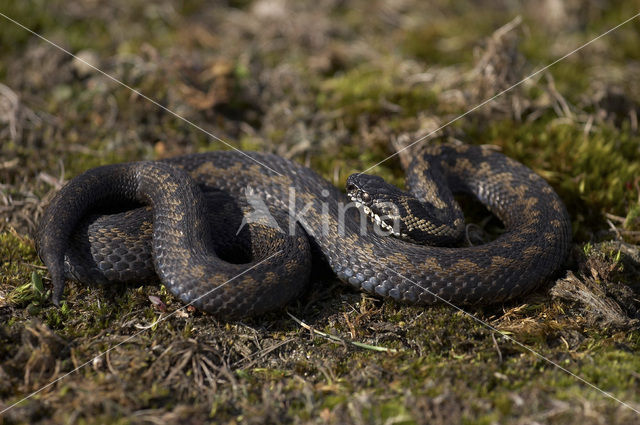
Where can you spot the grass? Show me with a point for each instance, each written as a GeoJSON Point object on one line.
{"type": "Point", "coordinates": [332, 87]}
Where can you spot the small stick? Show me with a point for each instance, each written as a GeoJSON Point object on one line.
{"type": "Point", "coordinates": [337, 339]}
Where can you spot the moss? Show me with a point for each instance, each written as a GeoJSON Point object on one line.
{"type": "Point", "coordinates": [33, 15]}
{"type": "Point", "coordinates": [367, 91]}
{"type": "Point", "coordinates": [447, 368]}
{"type": "Point", "coordinates": [451, 40]}
{"type": "Point", "coordinates": [16, 275]}
{"type": "Point", "coordinates": [593, 174]}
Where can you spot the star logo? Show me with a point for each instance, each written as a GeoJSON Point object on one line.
{"type": "Point", "coordinates": [260, 212]}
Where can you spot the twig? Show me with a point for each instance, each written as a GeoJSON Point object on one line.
{"type": "Point", "coordinates": [337, 339]}
{"type": "Point", "coordinates": [258, 355]}
{"type": "Point", "coordinates": [495, 344]}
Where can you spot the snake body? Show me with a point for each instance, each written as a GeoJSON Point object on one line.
{"type": "Point", "coordinates": [186, 234]}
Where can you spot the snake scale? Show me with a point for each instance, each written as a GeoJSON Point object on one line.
{"type": "Point", "coordinates": [177, 220]}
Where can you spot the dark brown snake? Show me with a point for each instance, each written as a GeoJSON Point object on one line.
{"type": "Point", "coordinates": [95, 229]}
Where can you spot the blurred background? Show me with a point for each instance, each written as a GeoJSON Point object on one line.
{"type": "Point", "coordinates": [330, 83]}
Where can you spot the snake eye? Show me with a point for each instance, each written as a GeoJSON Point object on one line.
{"type": "Point", "coordinates": [365, 197]}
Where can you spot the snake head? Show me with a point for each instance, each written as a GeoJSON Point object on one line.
{"type": "Point", "coordinates": [379, 200]}
{"type": "Point", "coordinates": [371, 191]}
{"type": "Point", "coordinates": [403, 215]}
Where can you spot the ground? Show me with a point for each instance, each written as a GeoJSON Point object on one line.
{"type": "Point", "coordinates": [337, 86]}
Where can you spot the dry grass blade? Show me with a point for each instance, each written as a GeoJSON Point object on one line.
{"type": "Point", "coordinates": [339, 340]}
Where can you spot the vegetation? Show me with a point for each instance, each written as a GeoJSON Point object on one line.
{"type": "Point", "coordinates": [337, 88]}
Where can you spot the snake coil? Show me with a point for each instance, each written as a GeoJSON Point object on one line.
{"type": "Point", "coordinates": [178, 219]}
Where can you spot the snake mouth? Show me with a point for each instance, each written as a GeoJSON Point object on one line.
{"type": "Point", "coordinates": [370, 194]}
{"type": "Point", "coordinates": [372, 213]}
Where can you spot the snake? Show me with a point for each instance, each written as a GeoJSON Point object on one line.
{"type": "Point", "coordinates": [236, 233]}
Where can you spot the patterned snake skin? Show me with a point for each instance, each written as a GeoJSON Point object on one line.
{"type": "Point", "coordinates": [186, 235]}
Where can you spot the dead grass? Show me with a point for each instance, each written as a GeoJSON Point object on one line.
{"type": "Point", "coordinates": [337, 88]}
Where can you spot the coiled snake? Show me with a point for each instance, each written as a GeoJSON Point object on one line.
{"type": "Point", "coordinates": [188, 235]}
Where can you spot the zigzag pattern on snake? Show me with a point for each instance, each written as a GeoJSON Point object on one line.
{"type": "Point", "coordinates": [96, 229]}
